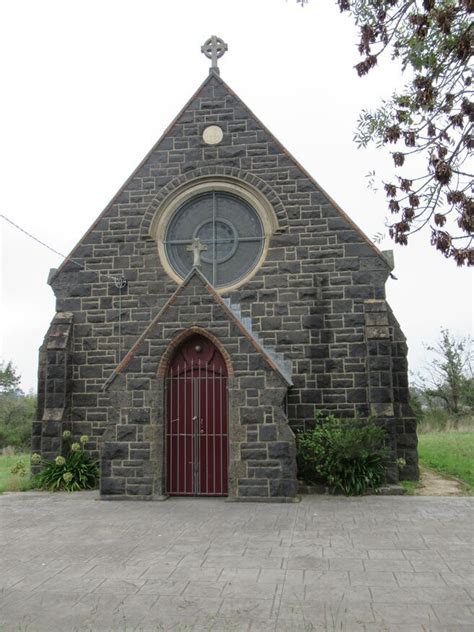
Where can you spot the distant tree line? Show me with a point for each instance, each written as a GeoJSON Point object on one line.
{"type": "Point", "coordinates": [447, 382]}
{"type": "Point", "coordinates": [17, 409]}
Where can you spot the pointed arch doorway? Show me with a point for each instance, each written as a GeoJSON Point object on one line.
{"type": "Point", "coordinates": [197, 440]}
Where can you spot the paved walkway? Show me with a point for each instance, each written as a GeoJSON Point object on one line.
{"type": "Point", "coordinates": [372, 564]}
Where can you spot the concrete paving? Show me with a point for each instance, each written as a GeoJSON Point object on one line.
{"type": "Point", "coordinates": [367, 564]}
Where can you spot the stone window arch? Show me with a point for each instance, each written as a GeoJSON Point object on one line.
{"type": "Point", "coordinates": [233, 219]}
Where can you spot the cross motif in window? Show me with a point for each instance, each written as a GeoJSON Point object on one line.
{"type": "Point", "coordinates": [196, 248]}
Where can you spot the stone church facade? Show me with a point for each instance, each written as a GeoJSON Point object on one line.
{"type": "Point", "coordinates": [193, 379]}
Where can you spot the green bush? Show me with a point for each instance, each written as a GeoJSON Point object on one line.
{"type": "Point", "coordinates": [20, 468]}
{"type": "Point", "coordinates": [349, 455]}
{"type": "Point", "coordinates": [16, 414]}
{"type": "Point", "coordinates": [72, 472]}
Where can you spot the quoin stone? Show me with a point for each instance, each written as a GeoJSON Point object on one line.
{"type": "Point", "coordinates": [250, 302]}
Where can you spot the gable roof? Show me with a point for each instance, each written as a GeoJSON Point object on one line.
{"type": "Point", "coordinates": [213, 76]}
{"type": "Point", "coordinates": [274, 360]}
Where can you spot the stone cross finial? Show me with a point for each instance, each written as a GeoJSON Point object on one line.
{"type": "Point", "coordinates": [214, 48]}
{"type": "Point", "coordinates": [196, 248]}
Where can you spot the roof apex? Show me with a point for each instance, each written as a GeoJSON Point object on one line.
{"type": "Point", "coordinates": [214, 76]}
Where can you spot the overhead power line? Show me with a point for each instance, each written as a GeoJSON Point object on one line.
{"type": "Point", "coordinates": [120, 282]}
{"type": "Point", "coordinates": [37, 240]}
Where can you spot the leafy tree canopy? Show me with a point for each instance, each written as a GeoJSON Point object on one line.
{"type": "Point", "coordinates": [17, 410]}
{"type": "Point", "coordinates": [9, 378]}
{"type": "Point", "coordinates": [431, 117]}
{"type": "Point", "coordinates": [16, 414]}
{"type": "Point", "coordinates": [448, 378]}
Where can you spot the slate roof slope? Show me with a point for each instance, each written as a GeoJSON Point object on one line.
{"type": "Point", "coordinates": [274, 360]}
{"type": "Point", "coordinates": [189, 105]}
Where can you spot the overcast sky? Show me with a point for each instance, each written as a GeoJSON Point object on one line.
{"type": "Point", "coordinates": [88, 86]}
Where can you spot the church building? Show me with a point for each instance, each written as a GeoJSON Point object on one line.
{"type": "Point", "coordinates": [219, 301]}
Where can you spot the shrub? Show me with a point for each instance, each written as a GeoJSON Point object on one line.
{"type": "Point", "coordinates": [72, 472]}
{"type": "Point", "coordinates": [16, 414]}
{"type": "Point", "coordinates": [347, 454]}
{"type": "Point", "coordinates": [19, 469]}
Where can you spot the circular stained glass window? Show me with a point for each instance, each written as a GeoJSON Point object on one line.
{"type": "Point", "coordinates": [230, 232]}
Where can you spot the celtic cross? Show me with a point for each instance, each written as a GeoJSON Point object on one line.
{"type": "Point", "coordinates": [196, 248]}
{"type": "Point", "coordinates": [213, 49]}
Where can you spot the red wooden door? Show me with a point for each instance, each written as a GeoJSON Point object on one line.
{"type": "Point", "coordinates": [197, 433]}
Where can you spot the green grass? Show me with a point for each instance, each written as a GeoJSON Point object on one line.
{"type": "Point", "coordinates": [410, 487]}
{"type": "Point", "coordinates": [13, 482]}
{"type": "Point", "coordinates": [450, 453]}
{"type": "Point", "coordinates": [439, 420]}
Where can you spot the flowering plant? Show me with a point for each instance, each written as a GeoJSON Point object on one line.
{"type": "Point", "coordinates": [72, 472]}
{"type": "Point", "coordinates": [35, 459]}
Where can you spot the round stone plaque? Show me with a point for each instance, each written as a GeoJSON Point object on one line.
{"type": "Point", "coordinates": [212, 135]}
